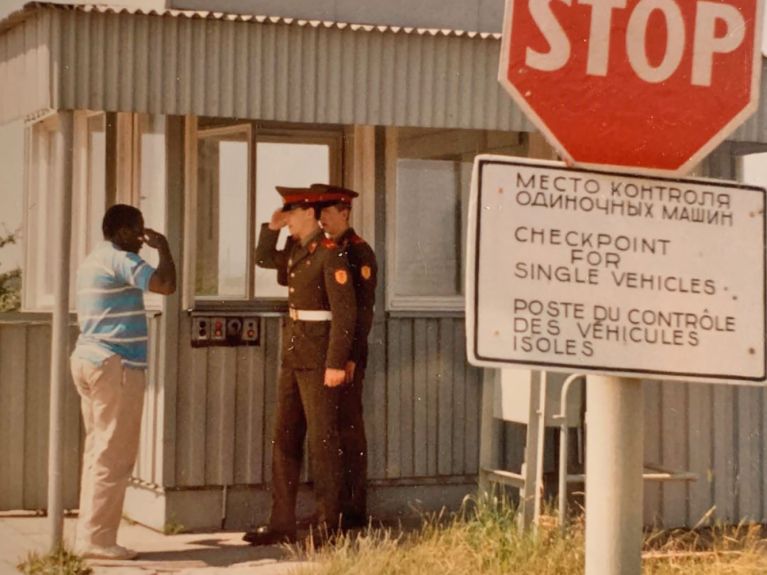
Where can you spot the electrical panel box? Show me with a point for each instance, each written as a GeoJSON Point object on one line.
{"type": "Point", "coordinates": [225, 330]}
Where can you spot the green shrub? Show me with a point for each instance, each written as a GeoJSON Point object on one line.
{"type": "Point", "coordinates": [10, 281]}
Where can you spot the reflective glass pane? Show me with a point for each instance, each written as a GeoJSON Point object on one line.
{"type": "Point", "coordinates": [222, 216]}
{"type": "Point", "coordinates": [284, 164]}
{"type": "Point", "coordinates": [151, 142]}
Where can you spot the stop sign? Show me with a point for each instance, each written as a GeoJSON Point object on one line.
{"type": "Point", "coordinates": [640, 85]}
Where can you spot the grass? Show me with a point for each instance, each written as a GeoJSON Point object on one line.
{"type": "Point", "coordinates": [173, 527]}
{"type": "Point", "coordinates": [720, 549]}
{"type": "Point", "coordinates": [484, 539]}
{"type": "Point", "coordinates": [59, 562]}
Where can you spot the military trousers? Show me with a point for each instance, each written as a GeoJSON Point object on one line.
{"type": "Point", "coordinates": [305, 404]}
{"type": "Point", "coordinates": [354, 445]}
{"type": "Point", "coordinates": [111, 401]}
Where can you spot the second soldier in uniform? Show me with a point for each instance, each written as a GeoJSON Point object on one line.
{"type": "Point", "coordinates": [336, 210]}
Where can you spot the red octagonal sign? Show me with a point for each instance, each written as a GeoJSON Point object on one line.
{"type": "Point", "coordinates": [639, 85]}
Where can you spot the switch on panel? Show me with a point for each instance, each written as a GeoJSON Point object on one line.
{"type": "Point", "coordinates": [218, 329]}
{"type": "Point", "coordinates": [224, 331]}
{"type": "Point", "coordinates": [233, 329]}
{"type": "Point", "coordinates": [200, 331]}
{"type": "Point", "coordinates": [249, 331]}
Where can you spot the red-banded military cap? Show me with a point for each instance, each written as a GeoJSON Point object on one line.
{"type": "Point", "coordinates": [295, 197]}
{"type": "Point", "coordinates": [328, 195]}
{"type": "Point", "coordinates": [315, 195]}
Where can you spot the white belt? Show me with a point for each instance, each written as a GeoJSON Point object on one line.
{"type": "Point", "coordinates": [310, 314]}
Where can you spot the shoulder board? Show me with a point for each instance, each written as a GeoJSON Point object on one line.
{"type": "Point", "coordinates": [329, 244]}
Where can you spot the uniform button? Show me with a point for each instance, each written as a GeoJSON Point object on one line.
{"type": "Point", "coordinates": [292, 289]}
{"type": "Point", "coordinates": [292, 274]}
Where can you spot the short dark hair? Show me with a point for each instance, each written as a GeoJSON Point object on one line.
{"type": "Point", "coordinates": [117, 217]}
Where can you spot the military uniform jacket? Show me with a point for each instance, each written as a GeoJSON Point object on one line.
{"type": "Point", "coordinates": [364, 268]}
{"type": "Point", "coordinates": [318, 278]}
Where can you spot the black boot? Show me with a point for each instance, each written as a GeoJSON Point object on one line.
{"type": "Point", "coordinates": [265, 535]}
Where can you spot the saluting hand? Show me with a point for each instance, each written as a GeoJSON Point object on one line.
{"type": "Point", "coordinates": [334, 377]}
{"type": "Point", "coordinates": [279, 220]}
{"type": "Point", "coordinates": [154, 239]}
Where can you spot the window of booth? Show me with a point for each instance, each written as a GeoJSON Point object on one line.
{"type": "Point", "coordinates": [149, 183]}
{"type": "Point", "coordinates": [137, 142]}
{"type": "Point", "coordinates": [39, 230]}
{"type": "Point", "coordinates": [88, 201]}
{"type": "Point", "coordinates": [223, 202]}
{"type": "Point", "coordinates": [238, 167]}
{"type": "Point", "coordinates": [427, 201]}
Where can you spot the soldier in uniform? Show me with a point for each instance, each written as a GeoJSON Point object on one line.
{"type": "Point", "coordinates": [334, 216]}
{"type": "Point", "coordinates": [317, 339]}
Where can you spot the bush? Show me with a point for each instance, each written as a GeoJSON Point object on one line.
{"type": "Point", "coordinates": [10, 281]}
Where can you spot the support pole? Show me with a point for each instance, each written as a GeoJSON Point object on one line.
{"type": "Point", "coordinates": [62, 206]}
{"type": "Point", "coordinates": [614, 463]}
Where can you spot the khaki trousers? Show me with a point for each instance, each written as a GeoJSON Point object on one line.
{"type": "Point", "coordinates": [111, 400]}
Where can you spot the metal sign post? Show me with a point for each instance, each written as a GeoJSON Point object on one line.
{"type": "Point", "coordinates": [614, 447]}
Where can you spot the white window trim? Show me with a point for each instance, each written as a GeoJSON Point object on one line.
{"type": "Point", "coordinates": [228, 130]}
{"type": "Point", "coordinates": [34, 297]}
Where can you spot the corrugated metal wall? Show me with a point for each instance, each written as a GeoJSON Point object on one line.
{"type": "Point", "coordinates": [148, 463]}
{"type": "Point", "coordinates": [717, 432]}
{"type": "Point", "coordinates": [25, 364]}
{"type": "Point", "coordinates": [428, 425]}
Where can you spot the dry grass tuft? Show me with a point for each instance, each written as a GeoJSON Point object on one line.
{"type": "Point", "coordinates": [59, 562]}
{"type": "Point", "coordinates": [484, 539]}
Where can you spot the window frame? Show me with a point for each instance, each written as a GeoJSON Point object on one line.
{"type": "Point", "coordinates": [399, 303]}
{"type": "Point", "coordinates": [414, 305]}
{"type": "Point", "coordinates": [228, 130]}
{"type": "Point", "coordinates": [260, 132]}
{"type": "Point", "coordinates": [41, 162]}
{"type": "Point", "coordinates": [122, 171]}
{"type": "Point", "coordinates": [38, 135]}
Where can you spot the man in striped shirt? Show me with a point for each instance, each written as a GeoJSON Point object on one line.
{"type": "Point", "coordinates": [108, 368]}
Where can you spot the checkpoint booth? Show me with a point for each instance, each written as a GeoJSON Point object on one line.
{"type": "Point", "coordinates": [194, 117]}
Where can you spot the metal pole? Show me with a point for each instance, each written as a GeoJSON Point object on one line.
{"type": "Point", "coordinates": [540, 448]}
{"type": "Point", "coordinates": [564, 447]}
{"type": "Point", "coordinates": [62, 206]}
{"type": "Point", "coordinates": [614, 454]}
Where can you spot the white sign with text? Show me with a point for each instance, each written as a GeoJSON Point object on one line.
{"type": "Point", "coordinates": [597, 272]}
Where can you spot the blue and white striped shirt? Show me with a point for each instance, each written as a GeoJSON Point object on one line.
{"type": "Point", "coordinates": [110, 306]}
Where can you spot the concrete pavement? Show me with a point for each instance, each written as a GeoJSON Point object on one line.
{"type": "Point", "coordinates": [183, 554]}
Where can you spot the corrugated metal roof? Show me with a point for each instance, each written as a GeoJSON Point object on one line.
{"type": "Point", "coordinates": [101, 57]}
{"type": "Point", "coordinates": [223, 16]}
{"type": "Point", "coordinates": [210, 64]}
